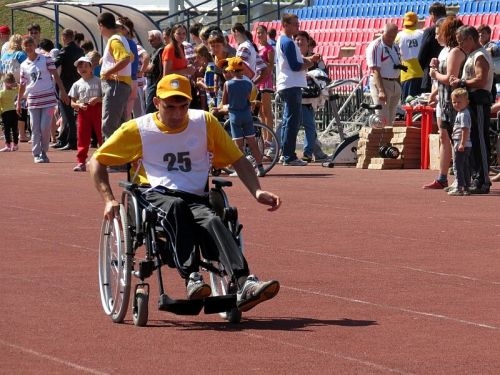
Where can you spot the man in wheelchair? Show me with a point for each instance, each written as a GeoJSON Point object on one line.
{"type": "Point", "coordinates": [177, 147]}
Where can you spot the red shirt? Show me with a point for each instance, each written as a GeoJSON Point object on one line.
{"type": "Point", "coordinates": [169, 54]}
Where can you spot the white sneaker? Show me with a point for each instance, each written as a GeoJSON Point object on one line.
{"type": "Point", "coordinates": [196, 287]}
{"type": "Point", "coordinates": [6, 148]}
{"type": "Point", "coordinates": [254, 292]}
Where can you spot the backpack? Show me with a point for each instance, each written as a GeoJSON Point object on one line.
{"type": "Point", "coordinates": [312, 90]}
{"type": "Point", "coordinates": [317, 91]}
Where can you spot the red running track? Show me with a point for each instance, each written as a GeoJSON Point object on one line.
{"type": "Point", "coordinates": [378, 276]}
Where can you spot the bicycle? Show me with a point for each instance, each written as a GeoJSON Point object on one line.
{"type": "Point", "coordinates": [268, 144]}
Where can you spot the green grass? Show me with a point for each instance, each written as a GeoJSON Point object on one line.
{"type": "Point", "coordinates": [23, 19]}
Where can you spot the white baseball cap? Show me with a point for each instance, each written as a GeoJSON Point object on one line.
{"type": "Point", "coordinates": [83, 59]}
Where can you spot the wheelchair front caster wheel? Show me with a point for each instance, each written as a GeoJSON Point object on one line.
{"type": "Point", "coordinates": [233, 316]}
{"type": "Point", "coordinates": [140, 309]}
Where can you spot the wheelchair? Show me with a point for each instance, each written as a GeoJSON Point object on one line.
{"type": "Point", "coordinates": [139, 227]}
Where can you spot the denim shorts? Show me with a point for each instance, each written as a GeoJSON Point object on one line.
{"type": "Point", "coordinates": [241, 124]}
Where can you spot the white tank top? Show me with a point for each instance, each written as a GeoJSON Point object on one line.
{"type": "Point", "coordinates": [108, 61]}
{"type": "Point", "coordinates": [470, 63]}
{"type": "Point", "coordinates": [179, 161]}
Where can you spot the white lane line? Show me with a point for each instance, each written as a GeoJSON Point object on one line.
{"type": "Point", "coordinates": [335, 354]}
{"type": "Point", "coordinates": [389, 307]}
{"type": "Point", "coordinates": [373, 263]}
{"type": "Point", "coordinates": [52, 358]}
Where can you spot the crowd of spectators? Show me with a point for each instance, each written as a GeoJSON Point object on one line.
{"type": "Point", "coordinates": [403, 64]}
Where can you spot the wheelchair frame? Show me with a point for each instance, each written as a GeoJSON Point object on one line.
{"type": "Point", "coordinates": [138, 226]}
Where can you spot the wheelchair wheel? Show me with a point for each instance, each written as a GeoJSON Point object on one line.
{"type": "Point", "coordinates": [140, 310]}
{"type": "Point", "coordinates": [221, 285]}
{"type": "Point", "coordinates": [115, 266]}
{"type": "Point", "coordinates": [268, 145]}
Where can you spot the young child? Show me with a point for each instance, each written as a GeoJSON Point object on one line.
{"type": "Point", "coordinates": [461, 141]}
{"type": "Point", "coordinates": [86, 99]}
{"type": "Point", "coordinates": [236, 94]}
{"type": "Point", "coordinates": [9, 116]}
{"type": "Point", "coordinates": [201, 60]}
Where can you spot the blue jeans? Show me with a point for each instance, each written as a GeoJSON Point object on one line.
{"type": "Point", "coordinates": [309, 125]}
{"type": "Point", "coordinates": [461, 166]}
{"type": "Point", "coordinates": [292, 114]}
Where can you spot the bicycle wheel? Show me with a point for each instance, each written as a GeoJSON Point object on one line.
{"type": "Point", "coordinates": [268, 145]}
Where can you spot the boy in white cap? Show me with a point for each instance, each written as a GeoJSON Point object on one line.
{"type": "Point", "coordinates": [86, 100]}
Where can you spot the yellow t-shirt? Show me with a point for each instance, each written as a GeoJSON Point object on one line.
{"type": "Point", "coordinates": [125, 145]}
{"type": "Point", "coordinates": [409, 41]}
{"type": "Point", "coordinates": [7, 100]}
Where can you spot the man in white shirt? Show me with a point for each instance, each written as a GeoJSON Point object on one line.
{"type": "Point", "coordinates": [291, 70]}
{"type": "Point", "coordinates": [384, 61]}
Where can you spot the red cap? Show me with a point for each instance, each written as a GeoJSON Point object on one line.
{"type": "Point", "coordinates": [4, 29]}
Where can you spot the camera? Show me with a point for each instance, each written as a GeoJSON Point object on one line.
{"type": "Point", "coordinates": [400, 67]}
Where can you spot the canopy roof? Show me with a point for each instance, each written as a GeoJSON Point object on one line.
{"type": "Point", "coordinates": [82, 16]}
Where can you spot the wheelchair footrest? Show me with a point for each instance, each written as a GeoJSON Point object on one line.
{"type": "Point", "coordinates": [210, 305]}
{"type": "Point", "coordinates": [218, 304]}
{"type": "Point", "coordinates": [180, 306]}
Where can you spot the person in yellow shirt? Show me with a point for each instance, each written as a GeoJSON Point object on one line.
{"type": "Point", "coordinates": [177, 147]}
{"type": "Point", "coordinates": [8, 96]}
{"type": "Point", "coordinates": [409, 41]}
{"type": "Point", "coordinates": [116, 75]}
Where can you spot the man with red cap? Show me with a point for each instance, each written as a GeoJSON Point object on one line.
{"type": "Point", "coordinates": [4, 38]}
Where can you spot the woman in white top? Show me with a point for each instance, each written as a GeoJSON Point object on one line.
{"type": "Point", "coordinates": [449, 63]}
{"type": "Point", "coordinates": [248, 52]}
{"type": "Point", "coordinates": [37, 77]}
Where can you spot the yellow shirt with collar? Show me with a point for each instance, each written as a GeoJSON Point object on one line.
{"type": "Point", "coordinates": [125, 145]}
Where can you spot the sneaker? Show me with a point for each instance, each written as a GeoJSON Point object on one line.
{"type": "Point", "coordinates": [270, 153]}
{"type": "Point", "coordinates": [6, 148]}
{"type": "Point", "coordinates": [321, 158]}
{"type": "Point", "coordinates": [282, 159]}
{"type": "Point", "coordinates": [251, 159]}
{"type": "Point", "coordinates": [261, 172]}
{"type": "Point", "coordinates": [255, 292]}
{"type": "Point", "coordinates": [451, 187]}
{"type": "Point", "coordinates": [196, 287]}
{"type": "Point", "coordinates": [80, 167]}
{"type": "Point", "coordinates": [456, 192]}
{"type": "Point", "coordinates": [233, 174]}
{"type": "Point", "coordinates": [295, 163]}
{"type": "Point", "coordinates": [307, 158]}
{"type": "Point", "coordinates": [38, 159]}
{"type": "Point", "coordinates": [436, 185]}
{"type": "Point", "coordinates": [483, 189]}
{"type": "Point", "coordinates": [45, 158]}
{"type": "Point", "coordinates": [14, 147]}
